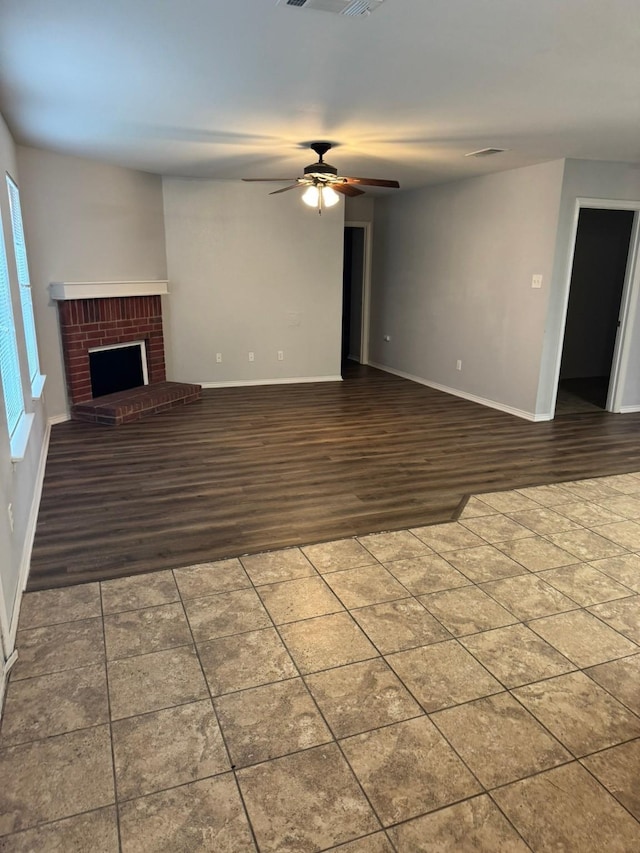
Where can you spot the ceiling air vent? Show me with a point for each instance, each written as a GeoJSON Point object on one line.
{"type": "Point", "coordinates": [486, 152]}
{"type": "Point", "coordinates": [353, 8]}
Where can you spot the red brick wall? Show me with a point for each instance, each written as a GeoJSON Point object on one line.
{"type": "Point", "coordinates": [86, 323]}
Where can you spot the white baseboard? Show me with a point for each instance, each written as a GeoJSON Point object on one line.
{"type": "Point", "coordinates": [628, 410]}
{"type": "Point", "coordinates": [58, 419]}
{"type": "Point", "coordinates": [292, 380]}
{"type": "Point", "coordinates": [455, 392]}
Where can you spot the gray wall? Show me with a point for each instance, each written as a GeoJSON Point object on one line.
{"type": "Point", "coordinates": [85, 221]}
{"type": "Point", "coordinates": [19, 481]}
{"type": "Point", "coordinates": [255, 273]}
{"type": "Point", "coordinates": [452, 277]}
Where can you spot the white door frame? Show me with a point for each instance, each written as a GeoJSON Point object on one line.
{"type": "Point", "coordinates": [628, 302]}
{"type": "Point", "coordinates": [366, 286]}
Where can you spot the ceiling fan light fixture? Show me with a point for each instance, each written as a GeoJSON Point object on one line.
{"type": "Point", "coordinates": [311, 196]}
{"type": "Point", "coordinates": [329, 197]}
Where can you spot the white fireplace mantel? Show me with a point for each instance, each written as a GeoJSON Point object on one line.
{"type": "Point", "coordinates": [61, 290]}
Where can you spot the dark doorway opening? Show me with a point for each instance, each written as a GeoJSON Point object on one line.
{"type": "Point", "coordinates": [593, 314]}
{"type": "Point", "coordinates": [352, 293]}
{"type": "Point", "coordinates": [116, 369]}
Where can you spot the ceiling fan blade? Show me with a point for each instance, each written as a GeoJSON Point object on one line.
{"type": "Point", "coordinates": [286, 189]}
{"type": "Point", "coordinates": [373, 182]}
{"type": "Point", "coordinates": [345, 189]}
{"type": "Point", "coordinates": [272, 180]}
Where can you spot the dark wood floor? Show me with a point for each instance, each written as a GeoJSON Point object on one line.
{"type": "Point", "coordinates": [252, 469]}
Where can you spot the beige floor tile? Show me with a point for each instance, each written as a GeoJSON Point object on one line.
{"type": "Point", "coordinates": [225, 614]}
{"type": "Point", "coordinates": [69, 645]}
{"type": "Point", "coordinates": [447, 537]}
{"type": "Point", "coordinates": [96, 831]}
{"type": "Point", "coordinates": [624, 569]}
{"type": "Point", "coordinates": [407, 769]}
{"type": "Point", "coordinates": [626, 505]}
{"type": "Point", "coordinates": [623, 533]}
{"type": "Point", "coordinates": [485, 563]}
{"type": "Point", "coordinates": [397, 625]}
{"type": "Point", "coordinates": [54, 704]}
{"type": "Point", "coordinates": [326, 641]}
{"type": "Point", "coordinates": [499, 740]}
{"type": "Point", "coordinates": [397, 545]}
{"type": "Point", "coordinates": [299, 599]}
{"type": "Point", "coordinates": [528, 596]}
{"type": "Point", "coordinates": [617, 770]}
{"type": "Point", "coordinates": [306, 801]}
{"type": "Point", "coordinates": [270, 721]}
{"type": "Point", "coordinates": [536, 554]}
{"type": "Point", "coordinates": [585, 544]}
{"type": "Point", "coordinates": [582, 638]}
{"type": "Point", "coordinates": [475, 508]}
{"type": "Point", "coordinates": [60, 605]}
{"type": "Point", "coordinates": [543, 520]}
{"type": "Point", "coordinates": [626, 484]}
{"type": "Point", "coordinates": [474, 826]}
{"type": "Point", "coordinates": [361, 696]}
{"type": "Point", "coordinates": [422, 575]}
{"type": "Point", "coordinates": [592, 489]}
{"type": "Point", "coordinates": [587, 514]}
{"type": "Point", "coordinates": [442, 675]}
{"type": "Point", "coordinates": [467, 610]}
{"type": "Point", "coordinates": [578, 713]}
{"type": "Point", "coordinates": [137, 632]}
{"type": "Point", "coordinates": [566, 809]}
{"type": "Point", "coordinates": [245, 660]}
{"type": "Point", "coordinates": [137, 591]}
{"type": "Point", "coordinates": [621, 678]}
{"type": "Point", "coordinates": [510, 501]}
{"type": "Point", "coordinates": [273, 566]}
{"type": "Point", "coordinates": [376, 843]}
{"type": "Point", "coordinates": [584, 584]}
{"type": "Point", "coordinates": [496, 528]}
{"type": "Point", "coordinates": [548, 495]}
{"type": "Point", "coordinates": [205, 815]}
{"type": "Point", "coordinates": [209, 578]}
{"type": "Point", "coordinates": [341, 554]}
{"type": "Point", "coordinates": [167, 748]}
{"type": "Point", "coordinates": [623, 615]}
{"type": "Point", "coordinates": [151, 682]}
{"type": "Point", "coordinates": [365, 585]}
{"type": "Point", "coordinates": [515, 655]}
{"type": "Point", "coordinates": [55, 778]}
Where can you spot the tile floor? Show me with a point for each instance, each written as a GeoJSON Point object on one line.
{"type": "Point", "coordinates": [466, 686]}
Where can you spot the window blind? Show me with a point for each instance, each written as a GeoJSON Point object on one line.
{"type": "Point", "coordinates": [9, 363]}
{"type": "Point", "coordinates": [24, 282]}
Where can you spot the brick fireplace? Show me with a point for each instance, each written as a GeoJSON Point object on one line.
{"type": "Point", "coordinates": [103, 314]}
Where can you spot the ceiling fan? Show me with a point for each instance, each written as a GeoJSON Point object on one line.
{"type": "Point", "coordinates": [323, 182]}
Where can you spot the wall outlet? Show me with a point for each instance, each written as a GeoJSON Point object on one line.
{"type": "Point", "coordinates": [252, 356]}
{"type": "Point", "coordinates": [218, 358]}
{"type": "Point", "coordinates": [280, 355]}
{"type": "Point", "coordinates": [536, 281]}
{"type": "Point", "coordinates": [458, 364]}
{"type": "Point", "coordinates": [10, 514]}
{"type": "Point", "coordinates": [386, 338]}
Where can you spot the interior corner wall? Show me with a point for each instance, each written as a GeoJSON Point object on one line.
{"type": "Point", "coordinates": [250, 272]}
{"type": "Point", "coordinates": [452, 276]}
{"type": "Point", "coordinates": [20, 481]}
{"type": "Point", "coordinates": [84, 221]}
{"type": "Point", "coordinates": [593, 179]}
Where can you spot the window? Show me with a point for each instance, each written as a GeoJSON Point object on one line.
{"type": "Point", "coordinates": [24, 283]}
{"type": "Point", "coordinates": [9, 363]}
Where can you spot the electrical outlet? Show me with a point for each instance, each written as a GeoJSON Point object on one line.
{"type": "Point", "coordinates": [252, 356]}
{"type": "Point", "coordinates": [218, 358]}
{"type": "Point", "coordinates": [10, 514]}
{"type": "Point", "coordinates": [386, 338]}
{"type": "Point", "coordinates": [280, 355]}
{"type": "Point", "coordinates": [536, 281]}
{"type": "Point", "coordinates": [458, 364]}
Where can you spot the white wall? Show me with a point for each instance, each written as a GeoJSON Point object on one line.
{"type": "Point", "coordinates": [20, 482]}
{"type": "Point", "coordinates": [452, 280]}
{"type": "Point", "coordinates": [584, 179]}
{"type": "Point", "coordinates": [85, 221]}
{"type": "Point", "coordinates": [250, 272]}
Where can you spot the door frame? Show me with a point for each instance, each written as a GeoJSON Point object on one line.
{"type": "Point", "coordinates": [366, 285]}
{"type": "Point", "coordinates": [628, 300]}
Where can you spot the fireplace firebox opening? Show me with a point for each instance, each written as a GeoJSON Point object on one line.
{"type": "Point", "coordinates": [118, 367]}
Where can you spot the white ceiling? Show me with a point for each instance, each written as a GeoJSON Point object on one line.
{"type": "Point", "coordinates": [237, 88]}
